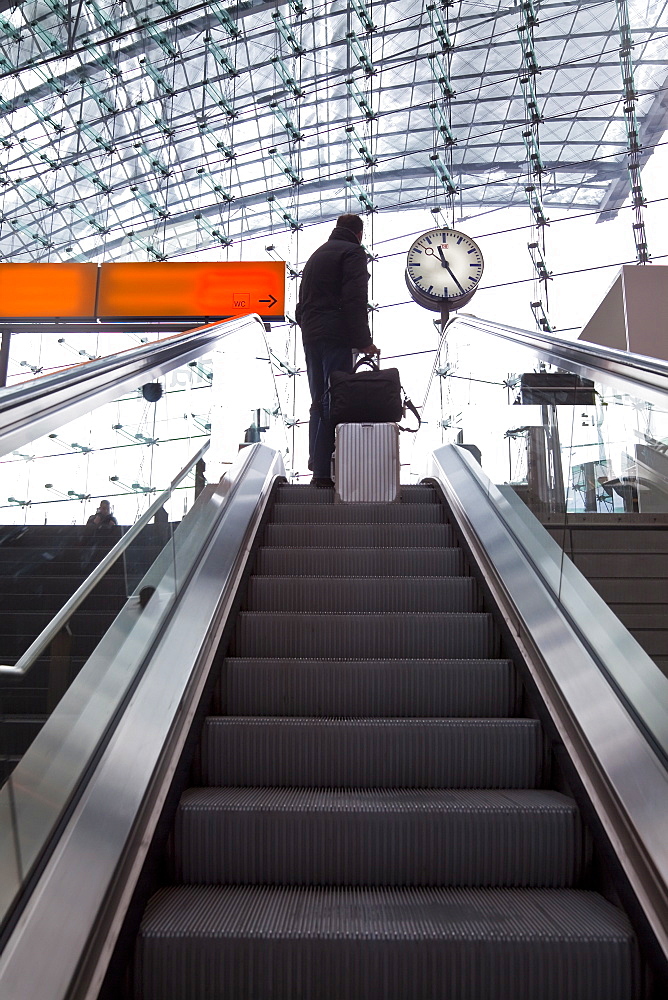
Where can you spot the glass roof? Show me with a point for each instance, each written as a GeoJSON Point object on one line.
{"type": "Point", "coordinates": [150, 131]}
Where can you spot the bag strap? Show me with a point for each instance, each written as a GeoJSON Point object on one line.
{"type": "Point", "coordinates": [367, 360]}
{"type": "Point", "coordinates": [409, 406]}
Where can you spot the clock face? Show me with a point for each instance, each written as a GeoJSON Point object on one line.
{"type": "Point", "coordinates": [444, 268]}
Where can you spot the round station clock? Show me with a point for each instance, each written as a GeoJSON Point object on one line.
{"type": "Point", "coordinates": [443, 269]}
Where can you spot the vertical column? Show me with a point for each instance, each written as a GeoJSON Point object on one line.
{"type": "Point", "coordinates": [633, 148]}
{"type": "Point", "coordinates": [441, 108]}
{"type": "Point", "coordinates": [362, 134]}
{"type": "Point", "coordinates": [535, 167]}
{"type": "Point", "coordinates": [286, 154]}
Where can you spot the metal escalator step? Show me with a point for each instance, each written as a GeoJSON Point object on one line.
{"type": "Point", "coordinates": [358, 513]}
{"type": "Point", "coordinates": [413, 688]}
{"type": "Point", "coordinates": [620, 564]}
{"type": "Point", "coordinates": [632, 592]}
{"type": "Point", "coordinates": [19, 591]}
{"type": "Point", "coordinates": [653, 641]}
{"type": "Point", "coordinates": [24, 700]}
{"type": "Point", "coordinates": [7, 764]}
{"type": "Point", "coordinates": [300, 836]}
{"type": "Point", "coordinates": [394, 634]}
{"type": "Point", "coordinates": [624, 537]}
{"type": "Point", "coordinates": [368, 753]}
{"type": "Point", "coordinates": [19, 731]}
{"type": "Point", "coordinates": [256, 943]}
{"type": "Point", "coordinates": [50, 603]}
{"type": "Point", "coordinates": [363, 561]}
{"type": "Point", "coordinates": [341, 593]}
{"type": "Point", "coordinates": [367, 535]}
{"type": "Point", "coordinates": [418, 494]}
{"type": "Point", "coordinates": [31, 623]}
{"type": "Point", "coordinates": [642, 620]}
{"type": "Point", "coordinates": [14, 646]}
{"type": "Point", "coordinates": [312, 494]}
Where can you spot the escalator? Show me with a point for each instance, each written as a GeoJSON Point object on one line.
{"type": "Point", "coordinates": [41, 567]}
{"type": "Point", "coordinates": [374, 812]}
{"type": "Point", "coordinates": [345, 750]}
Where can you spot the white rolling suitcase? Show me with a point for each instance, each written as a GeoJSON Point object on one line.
{"type": "Point", "coordinates": [366, 463]}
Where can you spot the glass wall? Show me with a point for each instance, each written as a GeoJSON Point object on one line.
{"type": "Point", "coordinates": [129, 450]}
{"type": "Point", "coordinates": [607, 454]}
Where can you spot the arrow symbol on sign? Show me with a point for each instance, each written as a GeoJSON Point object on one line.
{"type": "Point", "coordinates": [271, 300]}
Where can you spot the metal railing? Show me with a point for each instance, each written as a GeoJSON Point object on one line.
{"type": "Point", "coordinates": [48, 634]}
{"type": "Point", "coordinates": [38, 406]}
{"type": "Point", "coordinates": [606, 699]}
{"type": "Point", "coordinates": [631, 373]}
{"type": "Point", "coordinates": [109, 795]}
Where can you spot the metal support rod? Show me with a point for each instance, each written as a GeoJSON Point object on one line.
{"type": "Point", "coordinates": [557, 491]}
{"type": "Point", "coordinates": [4, 356]}
{"type": "Point", "coordinates": [445, 316]}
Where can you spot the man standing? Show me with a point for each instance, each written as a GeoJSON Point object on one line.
{"type": "Point", "coordinates": [333, 316]}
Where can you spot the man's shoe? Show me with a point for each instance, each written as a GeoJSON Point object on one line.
{"type": "Point", "coordinates": [322, 483]}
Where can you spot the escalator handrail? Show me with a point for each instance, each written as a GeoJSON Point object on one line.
{"type": "Point", "coordinates": [41, 405]}
{"type": "Point", "coordinates": [633, 373]}
{"type": "Point", "coordinates": [60, 619]}
{"type": "Point", "coordinates": [622, 771]}
{"type": "Point", "coordinates": [121, 796]}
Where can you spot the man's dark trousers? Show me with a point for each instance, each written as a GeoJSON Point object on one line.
{"type": "Point", "coordinates": [323, 358]}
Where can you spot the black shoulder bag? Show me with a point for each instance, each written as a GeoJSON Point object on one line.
{"type": "Point", "coordinates": [373, 396]}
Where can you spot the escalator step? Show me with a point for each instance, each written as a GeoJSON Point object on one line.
{"type": "Point", "coordinates": [459, 688]}
{"type": "Point", "coordinates": [621, 564]}
{"type": "Point", "coordinates": [14, 646]}
{"type": "Point", "coordinates": [21, 589]}
{"type": "Point", "coordinates": [351, 535]}
{"type": "Point", "coordinates": [23, 700]}
{"type": "Point", "coordinates": [256, 943]}
{"type": "Point", "coordinates": [368, 753]}
{"type": "Point", "coordinates": [31, 623]}
{"type": "Point", "coordinates": [383, 594]}
{"type": "Point", "coordinates": [312, 494]}
{"type": "Point", "coordinates": [18, 732]}
{"type": "Point", "coordinates": [297, 836]}
{"type": "Point", "coordinates": [631, 593]}
{"type": "Point", "coordinates": [358, 513]}
{"type": "Point", "coordinates": [7, 764]}
{"type": "Point", "coordinates": [363, 561]}
{"type": "Point", "coordinates": [259, 633]}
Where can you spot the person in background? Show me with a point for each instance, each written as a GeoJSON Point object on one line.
{"type": "Point", "coordinates": [333, 316]}
{"type": "Point", "coordinates": [100, 532]}
{"type": "Point", "coordinates": [102, 524]}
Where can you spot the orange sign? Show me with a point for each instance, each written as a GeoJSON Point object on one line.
{"type": "Point", "coordinates": [206, 290]}
{"type": "Point", "coordinates": [47, 290]}
{"type": "Point", "coordinates": [154, 290]}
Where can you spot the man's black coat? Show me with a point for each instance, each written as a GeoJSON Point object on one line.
{"type": "Point", "coordinates": [333, 293]}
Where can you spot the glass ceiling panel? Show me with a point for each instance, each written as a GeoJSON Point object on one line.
{"type": "Point", "coordinates": [149, 131]}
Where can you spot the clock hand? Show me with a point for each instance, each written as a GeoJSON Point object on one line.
{"type": "Point", "coordinates": [452, 273]}
{"type": "Point", "coordinates": [444, 262]}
